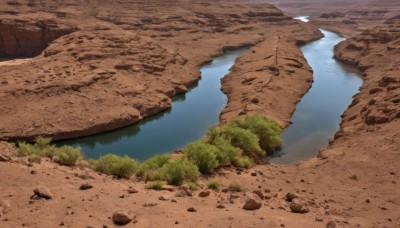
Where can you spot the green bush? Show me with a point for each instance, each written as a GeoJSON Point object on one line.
{"type": "Point", "coordinates": [122, 167]}
{"type": "Point", "coordinates": [268, 131]}
{"type": "Point", "coordinates": [149, 169]}
{"type": "Point", "coordinates": [41, 142]}
{"type": "Point", "coordinates": [203, 155]}
{"type": "Point", "coordinates": [68, 155]}
{"type": "Point", "coordinates": [214, 184]}
{"type": "Point", "coordinates": [226, 152]}
{"type": "Point", "coordinates": [243, 162]}
{"type": "Point", "coordinates": [176, 171]}
{"type": "Point", "coordinates": [158, 185]}
{"type": "Point", "coordinates": [244, 139]}
{"type": "Point", "coordinates": [193, 186]}
{"type": "Point", "coordinates": [25, 149]}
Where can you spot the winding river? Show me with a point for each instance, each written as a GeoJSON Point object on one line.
{"type": "Point", "coordinates": [318, 114]}
{"type": "Point", "coordinates": [189, 119]}
{"type": "Point", "coordinates": [315, 120]}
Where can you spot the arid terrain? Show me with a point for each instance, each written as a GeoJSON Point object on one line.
{"type": "Point", "coordinates": [99, 65]}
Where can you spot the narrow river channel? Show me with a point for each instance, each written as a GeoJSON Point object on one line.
{"type": "Point", "coordinates": [317, 116]}
{"type": "Point", "coordinates": [188, 120]}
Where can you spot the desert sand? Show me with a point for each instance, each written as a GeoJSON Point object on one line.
{"type": "Point", "coordinates": [351, 183]}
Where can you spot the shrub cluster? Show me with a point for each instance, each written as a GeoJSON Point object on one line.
{"type": "Point", "coordinates": [237, 143]}
{"type": "Point", "coordinates": [122, 167]}
{"type": "Point", "coordinates": [65, 155]}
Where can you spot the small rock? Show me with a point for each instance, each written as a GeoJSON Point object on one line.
{"type": "Point", "coordinates": [220, 206]}
{"type": "Point", "coordinates": [191, 209]}
{"type": "Point", "coordinates": [225, 190]}
{"type": "Point", "coordinates": [132, 190]}
{"type": "Point", "coordinates": [121, 217]}
{"type": "Point", "coordinates": [174, 201]}
{"type": "Point", "coordinates": [163, 198]}
{"type": "Point", "coordinates": [331, 224]}
{"type": "Point", "coordinates": [290, 196]}
{"type": "Point", "coordinates": [86, 186]}
{"type": "Point", "coordinates": [181, 193]}
{"type": "Point", "coordinates": [204, 193]}
{"type": "Point", "coordinates": [254, 174]}
{"type": "Point", "coordinates": [319, 219]}
{"type": "Point", "coordinates": [43, 192]}
{"type": "Point", "coordinates": [298, 206]}
{"type": "Point", "coordinates": [259, 194]}
{"type": "Point", "coordinates": [252, 204]}
{"type": "Point", "coordinates": [33, 172]}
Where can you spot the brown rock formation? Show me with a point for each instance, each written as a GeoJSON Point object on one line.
{"type": "Point", "coordinates": [124, 63]}
{"type": "Point", "coordinates": [269, 79]}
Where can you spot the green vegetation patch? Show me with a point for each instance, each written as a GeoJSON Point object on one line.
{"type": "Point", "coordinates": [239, 143]}
{"type": "Point", "coordinates": [122, 167]}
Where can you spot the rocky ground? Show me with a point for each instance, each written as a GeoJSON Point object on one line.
{"type": "Point", "coordinates": [351, 183]}
{"type": "Point", "coordinates": [118, 64]}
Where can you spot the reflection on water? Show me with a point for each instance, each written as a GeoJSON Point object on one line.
{"type": "Point", "coordinates": [302, 18]}
{"type": "Point", "coordinates": [317, 116]}
{"type": "Point", "coordinates": [188, 120]}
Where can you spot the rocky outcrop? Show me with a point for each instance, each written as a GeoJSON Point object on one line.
{"type": "Point", "coordinates": [25, 37]}
{"type": "Point", "coordinates": [123, 64]}
{"type": "Point", "coordinates": [375, 53]}
{"type": "Point", "coordinates": [270, 79]}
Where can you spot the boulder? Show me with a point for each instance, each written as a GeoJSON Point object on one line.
{"type": "Point", "coordinates": [43, 192]}
{"type": "Point", "coordinates": [163, 198]}
{"type": "Point", "coordinates": [290, 196]}
{"type": "Point", "coordinates": [259, 194]}
{"type": "Point", "coordinates": [204, 193]}
{"type": "Point", "coordinates": [122, 217]}
{"type": "Point", "coordinates": [252, 204]}
{"type": "Point", "coordinates": [86, 186]}
{"type": "Point", "coordinates": [132, 190]}
{"type": "Point", "coordinates": [299, 206]}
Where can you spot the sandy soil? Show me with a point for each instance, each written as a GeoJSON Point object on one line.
{"type": "Point", "coordinates": [351, 183]}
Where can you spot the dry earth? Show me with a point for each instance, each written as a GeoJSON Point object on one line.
{"type": "Point", "coordinates": [351, 183]}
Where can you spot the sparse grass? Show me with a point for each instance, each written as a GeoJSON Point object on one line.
{"type": "Point", "coordinates": [243, 162]}
{"type": "Point", "coordinates": [158, 185]}
{"type": "Point", "coordinates": [66, 155]}
{"type": "Point", "coordinates": [214, 184]}
{"type": "Point", "coordinates": [235, 187]}
{"type": "Point", "coordinates": [354, 177]}
{"type": "Point", "coordinates": [121, 167]}
{"type": "Point", "coordinates": [193, 186]}
{"type": "Point", "coordinates": [34, 158]}
{"type": "Point", "coordinates": [85, 176]}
